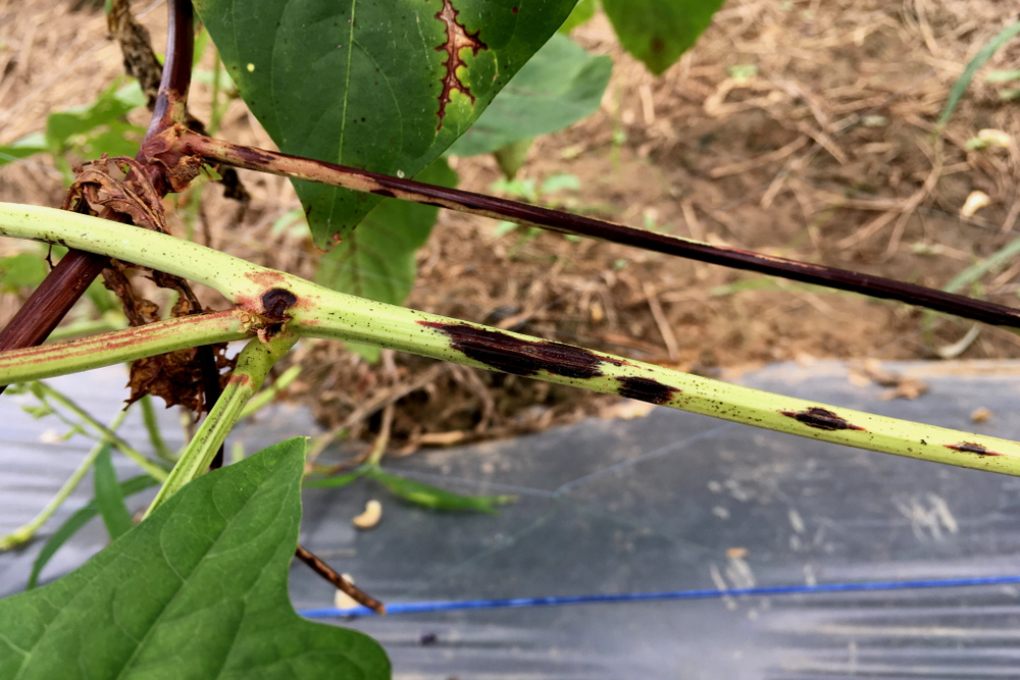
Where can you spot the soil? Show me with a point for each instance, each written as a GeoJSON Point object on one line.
{"type": "Point", "coordinates": [826, 154]}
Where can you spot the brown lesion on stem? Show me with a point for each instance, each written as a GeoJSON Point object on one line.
{"type": "Point", "coordinates": [646, 389]}
{"type": "Point", "coordinates": [510, 354]}
{"type": "Point", "coordinates": [457, 39]}
{"type": "Point", "coordinates": [342, 584]}
{"type": "Point", "coordinates": [821, 419]}
{"type": "Point", "coordinates": [275, 303]}
{"type": "Point", "coordinates": [214, 150]}
{"type": "Point", "coordinates": [971, 447]}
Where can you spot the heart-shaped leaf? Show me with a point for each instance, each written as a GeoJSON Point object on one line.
{"type": "Point", "coordinates": [79, 519]}
{"type": "Point", "coordinates": [658, 31]}
{"type": "Point", "coordinates": [197, 591]}
{"type": "Point", "coordinates": [384, 85]}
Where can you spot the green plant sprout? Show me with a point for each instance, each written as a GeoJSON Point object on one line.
{"type": "Point", "coordinates": [212, 553]}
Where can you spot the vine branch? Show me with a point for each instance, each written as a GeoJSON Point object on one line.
{"type": "Point", "coordinates": [287, 305]}
{"type": "Point", "coordinates": [190, 143]}
{"type": "Point", "coordinates": [67, 282]}
{"type": "Point", "coordinates": [342, 584]}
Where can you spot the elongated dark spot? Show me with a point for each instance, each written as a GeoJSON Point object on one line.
{"type": "Point", "coordinates": [384, 192]}
{"type": "Point", "coordinates": [253, 156]}
{"type": "Point", "coordinates": [646, 389]}
{"type": "Point", "coordinates": [821, 418]}
{"type": "Point", "coordinates": [276, 302]}
{"type": "Point", "coordinates": [969, 447]}
{"type": "Point", "coordinates": [506, 353]}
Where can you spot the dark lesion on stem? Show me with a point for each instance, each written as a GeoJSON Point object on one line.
{"type": "Point", "coordinates": [342, 584]}
{"type": "Point", "coordinates": [214, 150]}
{"type": "Point", "coordinates": [821, 419]}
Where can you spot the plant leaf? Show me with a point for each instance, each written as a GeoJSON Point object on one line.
{"type": "Point", "coordinates": [111, 105]}
{"type": "Point", "coordinates": [79, 519]}
{"type": "Point", "coordinates": [436, 499]}
{"type": "Point", "coordinates": [111, 504]}
{"type": "Point", "coordinates": [23, 148]}
{"type": "Point", "coordinates": [198, 590]}
{"type": "Point", "coordinates": [658, 31]}
{"type": "Point", "coordinates": [377, 260]}
{"type": "Point", "coordinates": [333, 482]}
{"type": "Point", "coordinates": [963, 82]}
{"type": "Point", "coordinates": [561, 85]}
{"type": "Point", "coordinates": [511, 158]}
{"type": "Point", "coordinates": [582, 14]}
{"type": "Point", "coordinates": [23, 270]}
{"type": "Point", "coordinates": [371, 84]}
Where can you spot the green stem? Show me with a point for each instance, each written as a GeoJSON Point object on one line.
{"type": "Point", "coordinates": [476, 345]}
{"type": "Point", "coordinates": [229, 275]}
{"type": "Point", "coordinates": [24, 533]}
{"type": "Point", "coordinates": [152, 427]}
{"type": "Point", "coordinates": [47, 361]}
{"type": "Point", "coordinates": [217, 114]}
{"type": "Point", "coordinates": [314, 311]}
{"type": "Point", "coordinates": [267, 395]}
{"type": "Point", "coordinates": [106, 434]}
{"type": "Point", "coordinates": [108, 322]}
{"type": "Point", "coordinates": [253, 366]}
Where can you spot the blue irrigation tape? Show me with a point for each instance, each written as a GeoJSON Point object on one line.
{"type": "Point", "coordinates": [453, 605]}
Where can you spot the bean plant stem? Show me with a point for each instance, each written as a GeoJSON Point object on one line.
{"type": "Point", "coordinates": [313, 311]}
{"type": "Point", "coordinates": [266, 396]}
{"type": "Point", "coordinates": [152, 427]}
{"type": "Point", "coordinates": [105, 433]}
{"type": "Point", "coordinates": [64, 286]}
{"type": "Point", "coordinates": [253, 366]}
{"type": "Point", "coordinates": [22, 365]}
{"type": "Point", "coordinates": [477, 204]}
{"type": "Point", "coordinates": [217, 111]}
{"type": "Point", "coordinates": [24, 533]}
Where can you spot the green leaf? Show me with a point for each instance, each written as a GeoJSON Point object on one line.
{"type": "Point", "coordinates": [112, 105]}
{"type": "Point", "coordinates": [111, 504]}
{"type": "Point", "coordinates": [658, 31]}
{"type": "Point", "coordinates": [377, 261]}
{"type": "Point", "coordinates": [102, 297]}
{"type": "Point", "coordinates": [983, 55]}
{"type": "Point", "coordinates": [200, 46]}
{"type": "Point", "coordinates": [78, 520]}
{"type": "Point", "coordinates": [334, 482]}
{"type": "Point", "coordinates": [582, 14]}
{"type": "Point", "coordinates": [363, 83]}
{"type": "Point", "coordinates": [999, 259]}
{"type": "Point", "coordinates": [561, 182]}
{"type": "Point", "coordinates": [23, 270]}
{"type": "Point", "coordinates": [23, 148]}
{"type": "Point", "coordinates": [560, 86]}
{"type": "Point", "coordinates": [436, 499]}
{"type": "Point", "coordinates": [511, 157]}
{"type": "Point", "coordinates": [119, 139]}
{"type": "Point", "coordinates": [1003, 76]}
{"type": "Point", "coordinates": [198, 590]}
